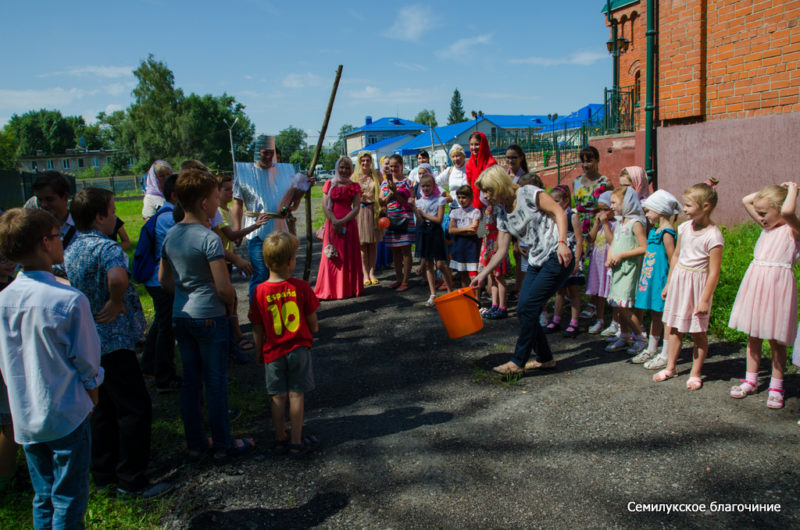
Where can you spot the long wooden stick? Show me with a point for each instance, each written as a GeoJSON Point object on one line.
{"type": "Point", "coordinates": [317, 151]}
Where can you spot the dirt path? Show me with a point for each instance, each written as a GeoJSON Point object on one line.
{"type": "Point", "coordinates": [418, 433]}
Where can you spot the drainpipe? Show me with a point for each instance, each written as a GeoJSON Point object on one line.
{"type": "Point", "coordinates": [649, 107]}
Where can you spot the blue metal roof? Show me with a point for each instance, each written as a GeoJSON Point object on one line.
{"type": "Point", "coordinates": [592, 112]}
{"type": "Point", "coordinates": [441, 135]}
{"type": "Point", "coordinates": [390, 124]}
{"type": "Point", "coordinates": [382, 143]}
{"type": "Point", "coordinates": [521, 121]}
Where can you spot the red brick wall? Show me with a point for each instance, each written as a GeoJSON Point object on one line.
{"type": "Point", "coordinates": [753, 64]}
{"type": "Point", "coordinates": [632, 26]}
{"type": "Point", "coordinates": [680, 70]}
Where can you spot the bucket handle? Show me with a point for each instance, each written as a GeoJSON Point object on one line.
{"type": "Point", "coordinates": [471, 298]}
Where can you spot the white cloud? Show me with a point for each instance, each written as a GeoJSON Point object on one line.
{"type": "Point", "coordinates": [248, 77]}
{"type": "Point", "coordinates": [414, 67]}
{"type": "Point", "coordinates": [459, 50]}
{"type": "Point", "coordinates": [24, 100]}
{"type": "Point", "coordinates": [401, 95]}
{"type": "Point", "coordinates": [112, 107]}
{"type": "Point", "coordinates": [108, 72]}
{"type": "Point", "coordinates": [115, 89]}
{"type": "Point", "coordinates": [411, 21]}
{"type": "Point", "coordinates": [301, 80]}
{"type": "Point", "coordinates": [583, 58]}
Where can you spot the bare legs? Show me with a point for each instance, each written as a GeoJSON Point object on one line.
{"type": "Point", "coordinates": [369, 256]}
{"type": "Point", "coordinates": [402, 263]}
{"type": "Point", "coordinates": [296, 409]}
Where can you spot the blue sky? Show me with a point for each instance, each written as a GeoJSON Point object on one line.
{"type": "Point", "coordinates": [279, 58]}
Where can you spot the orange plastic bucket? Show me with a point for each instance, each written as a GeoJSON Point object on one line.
{"type": "Point", "coordinates": [459, 312]}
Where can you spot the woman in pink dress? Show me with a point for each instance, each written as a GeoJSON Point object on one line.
{"type": "Point", "coordinates": [340, 275]}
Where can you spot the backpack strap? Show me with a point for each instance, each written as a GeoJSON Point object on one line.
{"type": "Point", "coordinates": [68, 236]}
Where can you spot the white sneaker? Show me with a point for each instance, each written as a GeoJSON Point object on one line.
{"type": "Point", "coordinates": [658, 362]}
{"type": "Point", "coordinates": [612, 338]}
{"type": "Point", "coordinates": [618, 345]}
{"type": "Point", "coordinates": [643, 356]}
{"type": "Point", "coordinates": [596, 328]}
{"type": "Point", "coordinates": [612, 329]}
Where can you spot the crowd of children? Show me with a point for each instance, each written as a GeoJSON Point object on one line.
{"type": "Point", "coordinates": [89, 410]}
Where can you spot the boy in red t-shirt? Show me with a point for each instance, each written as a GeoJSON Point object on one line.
{"type": "Point", "coordinates": [283, 313]}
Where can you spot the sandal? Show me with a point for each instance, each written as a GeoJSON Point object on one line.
{"type": "Point", "coordinates": [552, 327]}
{"type": "Point", "coordinates": [536, 365]}
{"type": "Point", "coordinates": [430, 303]}
{"type": "Point", "coordinates": [280, 447]}
{"type": "Point", "coordinates": [308, 445]}
{"type": "Point", "coordinates": [694, 383]}
{"type": "Point", "coordinates": [238, 447]}
{"type": "Point", "coordinates": [197, 456]}
{"type": "Point", "coordinates": [246, 344]}
{"type": "Point", "coordinates": [402, 287]}
{"type": "Point", "coordinates": [775, 399]}
{"type": "Point", "coordinates": [743, 390]}
{"type": "Point", "coordinates": [395, 285]}
{"type": "Point", "coordinates": [571, 331]}
{"type": "Point", "coordinates": [508, 369]}
{"type": "Point", "coordinates": [663, 375]}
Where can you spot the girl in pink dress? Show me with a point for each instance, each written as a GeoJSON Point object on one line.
{"type": "Point", "coordinates": [340, 274]}
{"type": "Point", "coordinates": [693, 276]}
{"type": "Point", "coordinates": [766, 304]}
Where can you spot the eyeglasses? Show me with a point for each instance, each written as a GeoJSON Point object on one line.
{"type": "Point", "coordinates": [51, 236]}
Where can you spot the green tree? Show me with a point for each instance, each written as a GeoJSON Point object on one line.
{"type": "Point", "coordinates": [204, 133]}
{"type": "Point", "coordinates": [112, 129]}
{"type": "Point", "coordinates": [8, 148]}
{"type": "Point", "coordinates": [290, 140]}
{"type": "Point", "coordinates": [329, 160]}
{"type": "Point", "coordinates": [154, 115]}
{"type": "Point", "coordinates": [118, 164]}
{"type": "Point", "coordinates": [340, 146]}
{"type": "Point", "coordinates": [456, 109]}
{"type": "Point", "coordinates": [42, 130]}
{"type": "Point", "coordinates": [428, 117]}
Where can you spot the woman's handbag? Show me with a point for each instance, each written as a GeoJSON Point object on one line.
{"type": "Point", "coordinates": [320, 233]}
{"type": "Point", "coordinates": [397, 224]}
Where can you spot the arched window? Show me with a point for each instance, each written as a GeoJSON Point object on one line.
{"type": "Point", "coordinates": [637, 87]}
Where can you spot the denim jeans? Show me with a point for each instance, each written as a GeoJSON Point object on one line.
{"type": "Point", "coordinates": [59, 472]}
{"type": "Point", "coordinates": [539, 286]}
{"type": "Point", "coordinates": [203, 344]}
{"type": "Point", "coordinates": [260, 270]}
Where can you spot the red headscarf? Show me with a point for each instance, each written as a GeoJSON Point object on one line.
{"type": "Point", "coordinates": [476, 165]}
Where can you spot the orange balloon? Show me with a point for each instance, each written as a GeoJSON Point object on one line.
{"type": "Point", "coordinates": [383, 222]}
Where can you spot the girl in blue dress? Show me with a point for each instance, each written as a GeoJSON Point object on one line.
{"type": "Point", "coordinates": [661, 209]}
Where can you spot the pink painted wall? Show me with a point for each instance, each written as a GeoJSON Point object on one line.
{"type": "Point", "coordinates": [744, 154]}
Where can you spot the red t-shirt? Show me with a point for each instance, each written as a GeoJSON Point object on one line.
{"type": "Point", "coordinates": [281, 309]}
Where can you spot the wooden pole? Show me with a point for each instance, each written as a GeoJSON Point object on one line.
{"type": "Point", "coordinates": [314, 160]}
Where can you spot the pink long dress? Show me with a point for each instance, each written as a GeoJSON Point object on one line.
{"type": "Point", "coordinates": [766, 304]}
{"type": "Point", "coordinates": [341, 276]}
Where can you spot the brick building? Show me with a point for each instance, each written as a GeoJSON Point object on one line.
{"type": "Point", "coordinates": [727, 94]}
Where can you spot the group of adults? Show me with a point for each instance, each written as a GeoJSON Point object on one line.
{"type": "Point", "coordinates": [357, 198]}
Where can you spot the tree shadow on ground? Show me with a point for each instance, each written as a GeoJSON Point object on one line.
{"type": "Point", "coordinates": [315, 512]}
{"type": "Point", "coordinates": [335, 431]}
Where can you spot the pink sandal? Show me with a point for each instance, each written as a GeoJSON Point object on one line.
{"type": "Point", "coordinates": [663, 375]}
{"type": "Point", "coordinates": [743, 390]}
{"type": "Point", "coordinates": [694, 383]}
{"type": "Point", "coordinates": [775, 399]}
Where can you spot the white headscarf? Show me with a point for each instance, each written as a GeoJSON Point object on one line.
{"type": "Point", "coordinates": [338, 179]}
{"type": "Point", "coordinates": [631, 207]}
{"type": "Point", "coordinates": [663, 203]}
{"type": "Point", "coordinates": [605, 198]}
